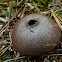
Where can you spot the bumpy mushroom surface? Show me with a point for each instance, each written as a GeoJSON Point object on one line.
{"type": "Point", "coordinates": [35, 34]}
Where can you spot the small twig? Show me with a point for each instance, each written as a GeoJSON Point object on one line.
{"type": "Point", "coordinates": [4, 50]}
{"type": "Point", "coordinates": [12, 18]}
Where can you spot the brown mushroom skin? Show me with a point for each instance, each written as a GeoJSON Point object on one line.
{"type": "Point", "coordinates": [35, 34]}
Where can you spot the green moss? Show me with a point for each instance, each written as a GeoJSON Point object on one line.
{"type": "Point", "coordinates": [58, 13]}
{"type": "Point", "coordinates": [4, 57]}
{"type": "Point", "coordinates": [13, 5]}
{"type": "Point", "coordinates": [39, 2]}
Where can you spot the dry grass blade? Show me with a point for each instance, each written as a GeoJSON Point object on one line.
{"type": "Point", "coordinates": [3, 4]}
{"type": "Point", "coordinates": [12, 18]}
{"type": "Point", "coordinates": [37, 5]}
{"type": "Point", "coordinates": [20, 13]}
{"type": "Point", "coordinates": [4, 50]}
{"type": "Point", "coordinates": [56, 19]}
{"type": "Point", "coordinates": [3, 8]}
{"type": "Point", "coordinates": [55, 54]}
{"type": "Point", "coordinates": [14, 59]}
{"type": "Point", "coordinates": [59, 18]}
{"type": "Point", "coordinates": [48, 12]}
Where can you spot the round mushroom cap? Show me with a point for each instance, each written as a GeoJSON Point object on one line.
{"type": "Point", "coordinates": [35, 34]}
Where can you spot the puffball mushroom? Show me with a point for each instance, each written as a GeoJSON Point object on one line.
{"type": "Point", "coordinates": [35, 34]}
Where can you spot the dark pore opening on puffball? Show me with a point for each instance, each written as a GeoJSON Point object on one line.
{"type": "Point", "coordinates": [32, 22]}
